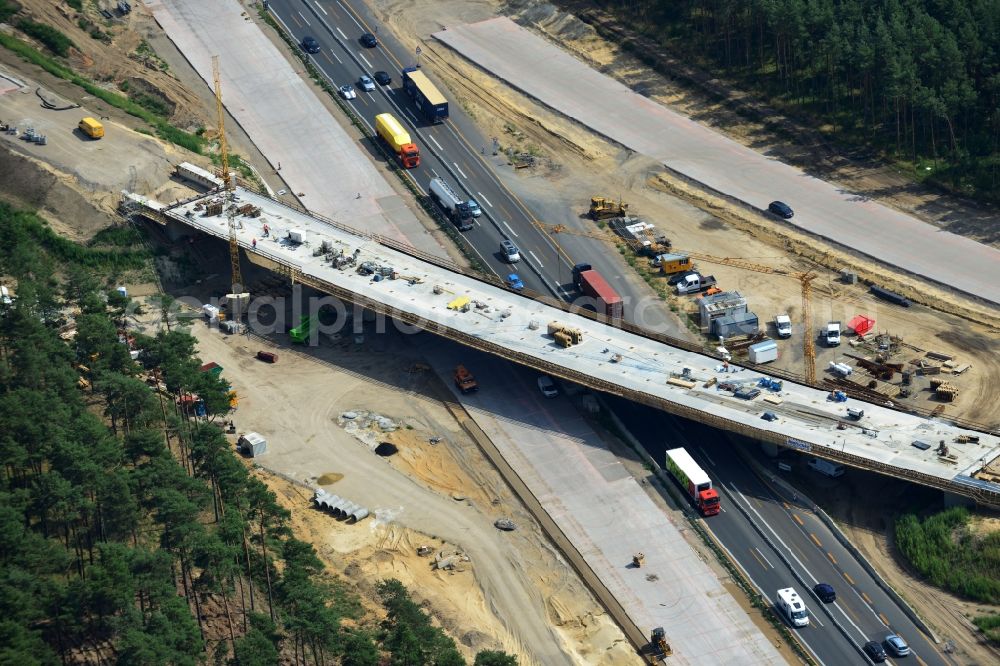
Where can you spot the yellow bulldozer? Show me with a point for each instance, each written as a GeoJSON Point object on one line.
{"type": "Point", "coordinates": [601, 208]}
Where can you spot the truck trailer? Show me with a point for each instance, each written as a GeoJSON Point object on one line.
{"type": "Point", "coordinates": [394, 134]}
{"type": "Point", "coordinates": [694, 480]}
{"type": "Point", "coordinates": [454, 206]}
{"type": "Point", "coordinates": [433, 106]}
{"type": "Point", "coordinates": [592, 284]}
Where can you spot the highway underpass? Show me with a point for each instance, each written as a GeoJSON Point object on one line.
{"type": "Point", "coordinates": [435, 296]}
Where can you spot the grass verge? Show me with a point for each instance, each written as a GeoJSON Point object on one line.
{"type": "Point", "coordinates": [164, 129]}
{"type": "Point", "coordinates": [945, 550]}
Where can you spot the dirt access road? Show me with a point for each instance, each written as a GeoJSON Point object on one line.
{"type": "Point", "coordinates": [516, 593]}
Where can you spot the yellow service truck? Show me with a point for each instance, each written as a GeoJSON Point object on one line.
{"type": "Point", "coordinates": [92, 128]}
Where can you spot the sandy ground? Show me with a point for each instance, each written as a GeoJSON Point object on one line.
{"type": "Point", "coordinates": [516, 593]}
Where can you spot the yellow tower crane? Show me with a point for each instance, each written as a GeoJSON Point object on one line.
{"type": "Point", "coordinates": [227, 183]}
{"type": "Point", "coordinates": [805, 279]}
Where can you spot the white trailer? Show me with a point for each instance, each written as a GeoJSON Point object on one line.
{"type": "Point", "coordinates": [792, 607]}
{"type": "Point", "coordinates": [694, 480]}
{"type": "Point", "coordinates": [763, 352]}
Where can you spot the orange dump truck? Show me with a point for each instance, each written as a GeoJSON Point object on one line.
{"type": "Point", "coordinates": [464, 380]}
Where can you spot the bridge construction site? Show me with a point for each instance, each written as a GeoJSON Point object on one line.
{"type": "Point", "coordinates": [392, 279]}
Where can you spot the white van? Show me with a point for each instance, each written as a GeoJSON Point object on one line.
{"type": "Point", "coordinates": [825, 467]}
{"type": "Point", "coordinates": [792, 607]}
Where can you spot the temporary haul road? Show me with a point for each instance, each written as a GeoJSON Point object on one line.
{"type": "Point", "coordinates": [560, 81]}
{"type": "Point", "coordinates": [439, 298]}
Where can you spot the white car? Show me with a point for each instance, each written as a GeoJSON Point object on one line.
{"type": "Point", "coordinates": [548, 386]}
{"type": "Point", "coordinates": [366, 84]}
{"type": "Point", "coordinates": [347, 91]}
{"type": "Point", "coordinates": [783, 324]}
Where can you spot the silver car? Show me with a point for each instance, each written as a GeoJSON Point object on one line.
{"type": "Point", "coordinates": [365, 83]}
{"type": "Point", "coordinates": [897, 646]}
{"type": "Point", "coordinates": [510, 252]}
{"type": "Point", "coordinates": [548, 386]}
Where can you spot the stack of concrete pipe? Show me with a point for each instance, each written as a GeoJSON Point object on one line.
{"type": "Point", "coordinates": [342, 509]}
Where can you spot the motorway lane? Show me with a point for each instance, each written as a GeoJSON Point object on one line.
{"type": "Point", "coordinates": [447, 153]}
{"type": "Point", "coordinates": [868, 610]}
{"type": "Point", "coordinates": [444, 150]}
{"type": "Point", "coordinates": [797, 543]}
{"type": "Point", "coordinates": [450, 150]}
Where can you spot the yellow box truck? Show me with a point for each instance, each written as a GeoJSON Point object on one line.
{"type": "Point", "coordinates": [394, 134]}
{"type": "Point", "coordinates": [92, 128]}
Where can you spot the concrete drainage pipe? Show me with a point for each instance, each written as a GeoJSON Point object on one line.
{"type": "Point", "coordinates": [339, 506]}
{"type": "Point", "coordinates": [346, 510]}
{"type": "Point", "coordinates": [327, 502]}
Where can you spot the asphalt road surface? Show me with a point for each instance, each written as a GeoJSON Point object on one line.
{"type": "Point", "coordinates": [454, 150]}
{"type": "Point", "coordinates": [855, 221]}
{"type": "Point", "coordinates": [780, 542]}
{"type": "Point", "coordinates": [777, 541]}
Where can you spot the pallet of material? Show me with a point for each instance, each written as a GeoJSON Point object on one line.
{"type": "Point", "coordinates": [675, 381]}
{"type": "Point", "coordinates": [960, 369]}
{"type": "Point", "coordinates": [888, 390]}
{"type": "Point", "coordinates": [939, 356]}
{"type": "Point", "coordinates": [947, 392]}
{"type": "Point", "coordinates": [773, 399]}
{"type": "Point", "coordinates": [930, 370]}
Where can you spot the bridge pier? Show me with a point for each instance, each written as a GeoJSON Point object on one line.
{"type": "Point", "coordinates": [770, 450]}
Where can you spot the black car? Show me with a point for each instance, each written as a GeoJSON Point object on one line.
{"type": "Point", "coordinates": [875, 651]}
{"type": "Point", "coordinates": [781, 209]}
{"type": "Point", "coordinates": [825, 593]}
{"type": "Point", "coordinates": [368, 40]}
{"type": "Point", "coordinates": [382, 78]}
{"type": "Point", "coordinates": [310, 45]}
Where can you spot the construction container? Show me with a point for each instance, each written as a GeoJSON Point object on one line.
{"type": "Point", "coordinates": [252, 444]}
{"type": "Point", "coordinates": [763, 352]}
{"type": "Point", "coordinates": [673, 263]}
{"type": "Point", "coordinates": [715, 306]}
{"type": "Point", "coordinates": [267, 357]}
{"type": "Point", "coordinates": [890, 296]}
{"type": "Point", "coordinates": [210, 311]}
{"type": "Point", "coordinates": [297, 235]}
{"type": "Point", "coordinates": [740, 323]}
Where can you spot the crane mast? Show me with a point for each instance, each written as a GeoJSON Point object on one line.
{"type": "Point", "coordinates": [227, 183]}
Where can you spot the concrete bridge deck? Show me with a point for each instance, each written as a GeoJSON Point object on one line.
{"type": "Point", "coordinates": [508, 324]}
